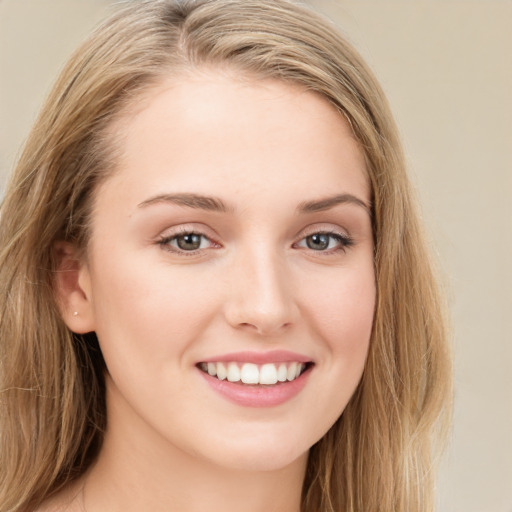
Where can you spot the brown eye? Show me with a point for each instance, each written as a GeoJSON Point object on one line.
{"type": "Point", "coordinates": [186, 242]}
{"type": "Point", "coordinates": [189, 242]}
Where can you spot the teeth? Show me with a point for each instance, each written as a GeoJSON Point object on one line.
{"type": "Point", "coordinates": [212, 368]}
{"type": "Point", "coordinates": [233, 372]}
{"type": "Point", "coordinates": [222, 371]}
{"type": "Point", "coordinates": [282, 372]}
{"type": "Point", "coordinates": [292, 371]}
{"type": "Point", "coordinates": [268, 374]}
{"type": "Point", "coordinates": [249, 373]}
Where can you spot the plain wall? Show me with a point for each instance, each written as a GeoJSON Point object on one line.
{"type": "Point", "coordinates": [447, 69]}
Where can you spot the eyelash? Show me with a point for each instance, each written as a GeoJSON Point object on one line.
{"type": "Point", "coordinates": [345, 242]}
{"type": "Point", "coordinates": [165, 241]}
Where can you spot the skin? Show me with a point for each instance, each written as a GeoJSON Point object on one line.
{"type": "Point", "coordinates": [263, 148]}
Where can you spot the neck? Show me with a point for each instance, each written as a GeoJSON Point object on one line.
{"type": "Point", "coordinates": [137, 470]}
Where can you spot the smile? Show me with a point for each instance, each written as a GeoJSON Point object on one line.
{"type": "Point", "coordinates": [250, 373]}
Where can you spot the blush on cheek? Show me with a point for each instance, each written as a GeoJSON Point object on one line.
{"type": "Point", "coordinates": [345, 314]}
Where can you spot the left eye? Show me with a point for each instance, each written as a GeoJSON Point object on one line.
{"type": "Point", "coordinates": [324, 241]}
{"type": "Point", "coordinates": [187, 242]}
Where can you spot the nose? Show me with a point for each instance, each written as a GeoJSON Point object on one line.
{"type": "Point", "coordinates": [261, 298]}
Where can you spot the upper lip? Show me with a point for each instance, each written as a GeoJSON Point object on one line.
{"type": "Point", "coordinates": [272, 356]}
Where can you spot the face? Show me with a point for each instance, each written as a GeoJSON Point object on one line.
{"type": "Point", "coordinates": [233, 242]}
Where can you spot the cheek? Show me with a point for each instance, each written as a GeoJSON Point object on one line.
{"type": "Point", "coordinates": [341, 314]}
{"type": "Point", "coordinates": [344, 309]}
{"type": "Point", "coordinates": [147, 311]}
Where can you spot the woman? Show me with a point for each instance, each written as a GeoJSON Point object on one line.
{"type": "Point", "coordinates": [217, 290]}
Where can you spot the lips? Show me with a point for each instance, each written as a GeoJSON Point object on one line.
{"type": "Point", "coordinates": [254, 379]}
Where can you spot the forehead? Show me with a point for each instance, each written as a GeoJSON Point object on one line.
{"type": "Point", "coordinates": [214, 130]}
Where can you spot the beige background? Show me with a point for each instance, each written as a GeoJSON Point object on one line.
{"type": "Point", "coordinates": [446, 66]}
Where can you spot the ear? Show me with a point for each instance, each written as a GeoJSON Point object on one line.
{"type": "Point", "coordinates": [72, 288]}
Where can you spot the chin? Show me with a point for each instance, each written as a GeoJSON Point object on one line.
{"type": "Point", "coordinates": [262, 460]}
{"type": "Point", "coordinates": [258, 453]}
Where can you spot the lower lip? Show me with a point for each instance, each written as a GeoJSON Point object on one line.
{"type": "Point", "coordinates": [257, 396]}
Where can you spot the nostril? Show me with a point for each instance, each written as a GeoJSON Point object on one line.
{"type": "Point", "coordinates": [264, 327]}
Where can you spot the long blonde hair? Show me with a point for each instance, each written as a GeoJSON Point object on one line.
{"type": "Point", "coordinates": [378, 456]}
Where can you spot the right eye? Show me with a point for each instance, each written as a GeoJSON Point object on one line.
{"type": "Point", "coordinates": [187, 242]}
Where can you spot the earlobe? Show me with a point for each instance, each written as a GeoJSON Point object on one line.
{"type": "Point", "coordinates": [71, 283]}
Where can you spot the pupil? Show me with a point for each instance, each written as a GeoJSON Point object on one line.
{"type": "Point", "coordinates": [318, 242]}
{"type": "Point", "coordinates": [189, 242]}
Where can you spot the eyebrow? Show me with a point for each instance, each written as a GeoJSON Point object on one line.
{"type": "Point", "coordinates": [190, 201]}
{"type": "Point", "coordinates": [327, 203]}
{"type": "Point", "coordinates": [216, 204]}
